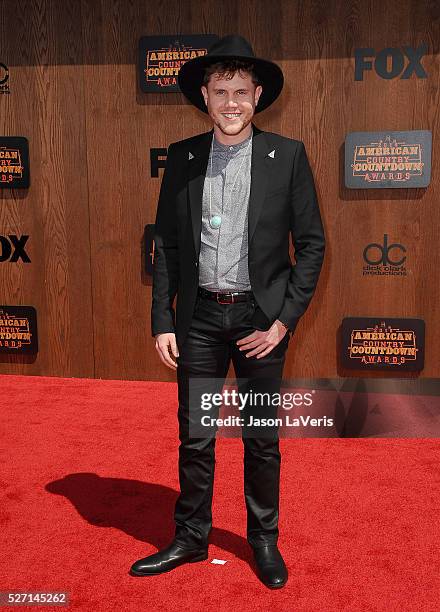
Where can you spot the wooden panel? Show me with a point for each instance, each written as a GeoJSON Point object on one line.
{"type": "Point", "coordinates": [75, 96]}
{"type": "Point", "coordinates": [46, 106]}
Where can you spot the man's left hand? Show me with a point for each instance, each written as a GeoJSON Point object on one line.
{"type": "Point", "coordinates": [262, 342]}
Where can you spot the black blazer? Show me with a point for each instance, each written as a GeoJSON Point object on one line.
{"type": "Point", "coordinates": [282, 201]}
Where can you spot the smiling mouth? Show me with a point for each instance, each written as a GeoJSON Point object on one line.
{"type": "Point", "coordinates": [231, 116]}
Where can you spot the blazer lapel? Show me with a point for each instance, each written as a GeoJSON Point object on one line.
{"type": "Point", "coordinates": [196, 177]}
{"type": "Point", "coordinates": [261, 168]}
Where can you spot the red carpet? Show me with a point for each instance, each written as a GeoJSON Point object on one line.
{"type": "Point", "coordinates": [89, 479]}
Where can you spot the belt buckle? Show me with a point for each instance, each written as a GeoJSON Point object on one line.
{"type": "Point", "coordinates": [220, 300]}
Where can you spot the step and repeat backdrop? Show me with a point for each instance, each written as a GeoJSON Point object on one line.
{"type": "Point", "coordinates": [89, 104]}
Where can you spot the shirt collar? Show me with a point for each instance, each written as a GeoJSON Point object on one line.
{"type": "Point", "coordinates": [218, 146]}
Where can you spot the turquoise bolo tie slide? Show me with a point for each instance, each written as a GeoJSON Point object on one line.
{"type": "Point", "coordinates": [215, 221]}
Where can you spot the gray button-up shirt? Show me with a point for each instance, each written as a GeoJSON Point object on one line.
{"type": "Point", "coordinates": [223, 262]}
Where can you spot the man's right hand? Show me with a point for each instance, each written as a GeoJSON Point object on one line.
{"type": "Point", "coordinates": [165, 342]}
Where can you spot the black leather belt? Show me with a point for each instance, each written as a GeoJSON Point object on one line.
{"type": "Point", "coordinates": [226, 297]}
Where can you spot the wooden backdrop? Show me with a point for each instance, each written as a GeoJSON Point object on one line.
{"type": "Point", "coordinates": [74, 95]}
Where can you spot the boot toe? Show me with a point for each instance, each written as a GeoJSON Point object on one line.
{"type": "Point", "coordinates": [166, 560]}
{"type": "Point", "coordinates": [271, 568]}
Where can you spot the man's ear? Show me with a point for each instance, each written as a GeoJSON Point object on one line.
{"type": "Point", "coordinates": [204, 93]}
{"type": "Point", "coordinates": [258, 92]}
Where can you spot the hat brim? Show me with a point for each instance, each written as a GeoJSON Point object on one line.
{"type": "Point", "coordinates": [190, 79]}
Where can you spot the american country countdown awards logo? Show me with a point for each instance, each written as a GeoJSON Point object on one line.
{"type": "Point", "coordinates": [14, 162]}
{"type": "Point", "coordinates": [383, 343]}
{"type": "Point", "coordinates": [388, 159]}
{"type": "Point", "coordinates": [18, 329]}
{"type": "Point", "coordinates": [4, 79]}
{"type": "Point", "coordinates": [384, 259]}
{"type": "Point", "coordinates": [160, 59]}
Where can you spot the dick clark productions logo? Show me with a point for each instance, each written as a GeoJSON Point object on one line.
{"type": "Point", "coordinates": [4, 79]}
{"type": "Point", "coordinates": [386, 259]}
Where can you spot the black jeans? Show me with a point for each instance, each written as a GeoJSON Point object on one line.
{"type": "Point", "coordinates": [206, 353]}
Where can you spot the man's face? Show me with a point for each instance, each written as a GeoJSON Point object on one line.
{"type": "Point", "coordinates": [231, 102]}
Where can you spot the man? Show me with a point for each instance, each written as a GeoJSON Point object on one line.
{"type": "Point", "coordinates": [228, 201]}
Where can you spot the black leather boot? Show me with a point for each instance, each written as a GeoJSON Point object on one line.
{"type": "Point", "coordinates": [167, 559]}
{"type": "Point", "coordinates": [271, 568]}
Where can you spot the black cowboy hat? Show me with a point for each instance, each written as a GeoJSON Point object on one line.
{"type": "Point", "coordinates": [190, 77]}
